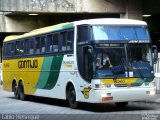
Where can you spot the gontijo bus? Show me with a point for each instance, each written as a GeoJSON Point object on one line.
{"type": "Point", "coordinates": [60, 61]}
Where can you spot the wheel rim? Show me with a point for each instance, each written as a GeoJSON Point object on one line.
{"type": "Point", "coordinates": [72, 97]}
{"type": "Point", "coordinates": [21, 92]}
{"type": "Point", "coordinates": [15, 91]}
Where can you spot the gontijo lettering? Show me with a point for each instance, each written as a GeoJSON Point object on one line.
{"type": "Point", "coordinates": [28, 64]}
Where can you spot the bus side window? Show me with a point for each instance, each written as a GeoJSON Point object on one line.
{"type": "Point", "coordinates": [4, 50]}
{"type": "Point", "coordinates": [10, 49]}
{"type": "Point", "coordinates": [49, 44]}
{"type": "Point", "coordinates": [43, 44]}
{"type": "Point", "coordinates": [70, 40]}
{"type": "Point", "coordinates": [63, 37]}
{"type": "Point", "coordinates": [83, 33]}
{"type": "Point", "coordinates": [19, 47]}
{"type": "Point", "coordinates": [55, 42]}
{"type": "Point", "coordinates": [37, 45]}
{"type": "Point", "coordinates": [26, 47]}
{"type": "Point", "coordinates": [31, 46]}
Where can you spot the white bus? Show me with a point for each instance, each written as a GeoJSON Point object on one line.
{"type": "Point", "coordinates": [93, 61]}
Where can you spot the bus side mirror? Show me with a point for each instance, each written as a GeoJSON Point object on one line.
{"type": "Point", "coordinates": [155, 54]}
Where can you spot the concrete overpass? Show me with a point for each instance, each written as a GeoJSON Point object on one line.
{"type": "Point", "coordinates": [15, 15]}
{"type": "Point", "coordinates": [19, 16]}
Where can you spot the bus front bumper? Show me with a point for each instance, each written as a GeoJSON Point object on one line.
{"type": "Point", "coordinates": [123, 95]}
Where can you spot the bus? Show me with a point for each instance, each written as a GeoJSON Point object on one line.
{"type": "Point", "coordinates": [61, 61]}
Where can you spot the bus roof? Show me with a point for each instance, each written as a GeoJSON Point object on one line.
{"type": "Point", "coordinates": [110, 21]}
{"type": "Point", "coordinates": [100, 21]}
{"type": "Point", "coordinates": [40, 31]}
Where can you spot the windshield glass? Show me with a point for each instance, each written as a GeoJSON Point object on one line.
{"type": "Point", "coordinates": [139, 58]}
{"type": "Point", "coordinates": [132, 60]}
{"type": "Point", "coordinates": [119, 32]}
{"type": "Point", "coordinates": [138, 53]}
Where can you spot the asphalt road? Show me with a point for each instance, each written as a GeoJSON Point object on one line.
{"type": "Point", "coordinates": [47, 108]}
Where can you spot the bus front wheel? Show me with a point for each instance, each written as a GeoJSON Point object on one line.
{"type": "Point", "coordinates": [121, 105]}
{"type": "Point", "coordinates": [72, 98]}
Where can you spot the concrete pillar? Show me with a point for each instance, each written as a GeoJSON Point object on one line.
{"type": "Point", "coordinates": [2, 22]}
{"type": "Point", "coordinates": [133, 9]}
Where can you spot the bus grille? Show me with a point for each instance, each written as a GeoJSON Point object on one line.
{"type": "Point", "coordinates": [128, 85]}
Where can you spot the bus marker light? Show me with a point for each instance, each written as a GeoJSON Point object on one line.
{"type": "Point", "coordinates": [152, 92]}
{"type": "Point", "coordinates": [103, 95]}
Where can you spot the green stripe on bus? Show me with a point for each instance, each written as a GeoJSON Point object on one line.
{"type": "Point", "coordinates": [45, 70]}
{"type": "Point", "coordinates": [54, 73]}
{"type": "Point", "coordinates": [67, 26]}
{"type": "Point", "coordinates": [142, 80]}
{"type": "Point", "coordinates": [149, 79]}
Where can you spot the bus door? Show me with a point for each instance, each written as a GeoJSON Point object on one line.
{"type": "Point", "coordinates": [85, 68]}
{"type": "Point", "coordinates": [88, 70]}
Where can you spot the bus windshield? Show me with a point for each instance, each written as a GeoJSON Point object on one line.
{"type": "Point", "coordinates": [130, 60]}
{"type": "Point", "coordinates": [120, 32]}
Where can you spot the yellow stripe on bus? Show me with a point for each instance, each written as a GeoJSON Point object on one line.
{"type": "Point", "coordinates": [18, 70]}
{"type": "Point", "coordinates": [119, 81]}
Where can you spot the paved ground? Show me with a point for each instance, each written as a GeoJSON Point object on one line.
{"type": "Point", "coordinates": [58, 109]}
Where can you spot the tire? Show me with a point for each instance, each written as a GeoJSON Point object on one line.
{"type": "Point", "coordinates": [72, 98]}
{"type": "Point", "coordinates": [15, 90]}
{"type": "Point", "coordinates": [22, 96]}
{"type": "Point", "coordinates": [121, 105]}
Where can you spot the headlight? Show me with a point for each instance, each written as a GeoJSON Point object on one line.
{"type": "Point", "coordinates": [152, 92]}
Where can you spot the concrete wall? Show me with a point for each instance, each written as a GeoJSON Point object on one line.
{"type": "Point", "coordinates": [14, 13]}
{"type": "Point", "coordinates": [38, 5]}
{"type": "Point", "coordinates": [110, 6]}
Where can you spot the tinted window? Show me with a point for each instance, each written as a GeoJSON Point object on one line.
{"type": "Point", "coordinates": [10, 49]}
{"type": "Point", "coordinates": [31, 46]}
{"type": "Point", "coordinates": [55, 43]}
{"type": "Point", "coordinates": [26, 46]}
{"type": "Point", "coordinates": [63, 39]}
{"type": "Point", "coordinates": [70, 40]}
{"type": "Point", "coordinates": [37, 45]}
{"type": "Point", "coordinates": [43, 44]}
{"type": "Point", "coordinates": [49, 44]}
{"type": "Point", "coordinates": [106, 32]}
{"type": "Point", "coordinates": [83, 33]}
{"type": "Point", "coordinates": [19, 47]}
{"type": "Point", "coordinates": [4, 50]}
